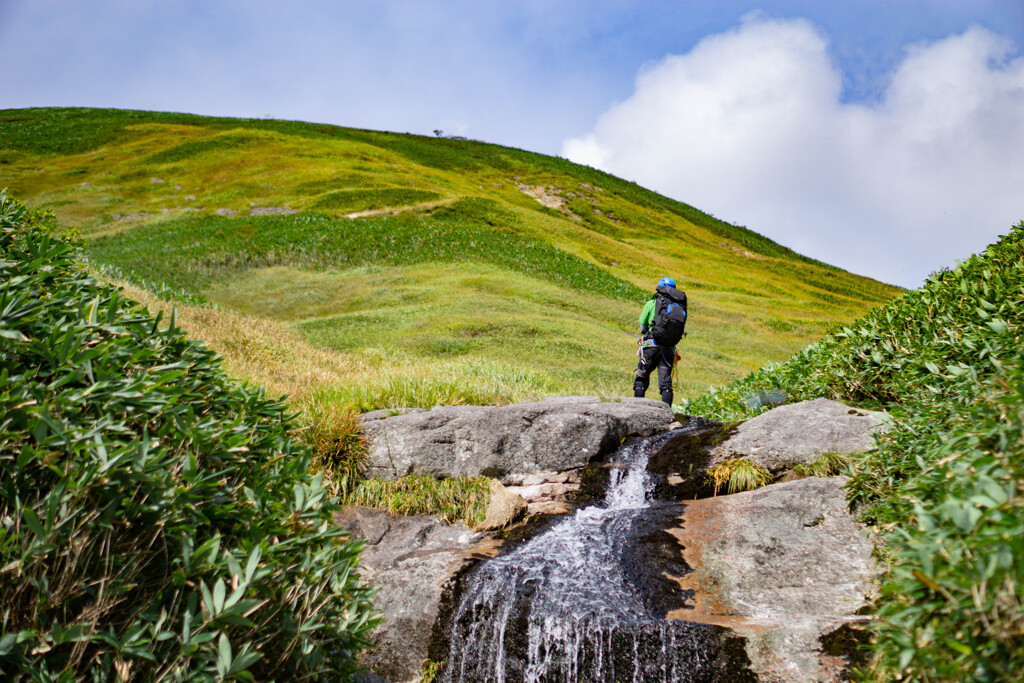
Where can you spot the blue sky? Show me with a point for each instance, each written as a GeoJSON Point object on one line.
{"type": "Point", "coordinates": [602, 82]}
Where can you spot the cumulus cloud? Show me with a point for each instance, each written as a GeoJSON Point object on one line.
{"type": "Point", "coordinates": [751, 125]}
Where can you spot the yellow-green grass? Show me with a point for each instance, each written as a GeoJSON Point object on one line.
{"type": "Point", "coordinates": [462, 499]}
{"type": "Point", "coordinates": [736, 475]}
{"type": "Point", "coordinates": [828, 465]}
{"type": "Point", "coordinates": [502, 298]}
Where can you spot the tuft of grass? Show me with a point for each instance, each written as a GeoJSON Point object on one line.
{"type": "Point", "coordinates": [738, 474]}
{"type": "Point", "coordinates": [454, 499]}
{"type": "Point", "coordinates": [334, 436]}
{"type": "Point", "coordinates": [430, 672]}
{"type": "Point", "coordinates": [827, 465]}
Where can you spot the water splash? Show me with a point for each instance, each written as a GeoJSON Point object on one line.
{"type": "Point", "coordinates": [567, 605]}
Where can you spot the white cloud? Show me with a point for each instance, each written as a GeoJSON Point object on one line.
{"type": "Point", "coordinates": [751, 126]}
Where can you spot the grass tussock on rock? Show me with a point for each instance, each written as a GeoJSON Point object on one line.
{"type": "Point", "coordinates": [452, 499]}
{"type": "Point", "coordinates": [158, 519]}
{"type": "Point", "coordinates": [738, 474]}
{"type": "Point", "coordinates": [945, 486]}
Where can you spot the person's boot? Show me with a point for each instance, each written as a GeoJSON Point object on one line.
{"type": "Point", "coordinates": [667, 397]}
{"type": "Point", "coordinates": [638, 393]}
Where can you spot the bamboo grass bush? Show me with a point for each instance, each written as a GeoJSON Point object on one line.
{"type": "Point", "coordinates": [945, 486]}
{"type": "Point", "coordinates": [158, 520]}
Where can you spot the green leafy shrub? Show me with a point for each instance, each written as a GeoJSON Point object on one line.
{"type": "Point", "coordinates": [944, 484]}
{"type": "Point", "coordinates": [157, 522]}
{"type": "Point", "coordinates": [953, 604]}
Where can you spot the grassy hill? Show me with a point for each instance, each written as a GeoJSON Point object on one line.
{"type": "Point", "coordinates": [399, 269]}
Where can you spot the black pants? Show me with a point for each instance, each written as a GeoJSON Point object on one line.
{"type": "Point", "coordinates": [660, 357]}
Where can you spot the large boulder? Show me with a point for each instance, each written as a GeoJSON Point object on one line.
{"type": "Point", "coordinates": [409, 560]}
{"type": "Point", "coordinates": [785, 566]}
{"type": "Point", "coordinates": [801, 432]}
{"type": "Point", "coordinates": [506, 442]}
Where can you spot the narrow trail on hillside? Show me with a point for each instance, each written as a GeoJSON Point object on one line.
{"type": "Point", "coordinates": [394, 210]}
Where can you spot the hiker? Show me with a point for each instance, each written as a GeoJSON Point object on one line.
{"type": "Point", "coordinates": [662, 325]}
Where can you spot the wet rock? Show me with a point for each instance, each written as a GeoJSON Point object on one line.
{"type": "Point", "coordinates": [550, 493]}
{"type": "Point", "coordinates": [682, 462]}
{"type": "Point", "coordinates": [800, 432]}
{"type": "Point", "coordinates": [506, 442]}
{"type": "Point", "coordinates": [786, 567]}
{"type": "Point", "coordinates": [409, 560]}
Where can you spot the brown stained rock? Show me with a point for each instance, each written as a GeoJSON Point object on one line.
{"type": "Point", "coordinates": [785, 566]}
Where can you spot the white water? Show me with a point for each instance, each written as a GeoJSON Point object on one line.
{"type": "Point", "coordinates": [567, 606]}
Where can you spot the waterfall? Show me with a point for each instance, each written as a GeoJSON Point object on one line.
{"type": "Point", "coordinates": [568, 606]}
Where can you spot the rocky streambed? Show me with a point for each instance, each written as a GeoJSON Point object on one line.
{"type": "Point", "coordinates": [635, 584]}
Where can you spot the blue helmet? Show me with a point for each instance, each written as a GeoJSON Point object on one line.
{"type": "Point", "coordinates": [667, 282]}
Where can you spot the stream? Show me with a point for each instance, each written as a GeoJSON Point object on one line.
{"type": "Point", "coordinates": [582, 601]}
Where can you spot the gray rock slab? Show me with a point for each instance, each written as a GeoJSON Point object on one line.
{"type": "Point", "coordinates": [507, 442]}
{"type": "Point", "coordinates": [409, 559]}
{"type": "Point", "coordinates": [784, 566]}
{"type": "Point", "coordinates": [800, 432]}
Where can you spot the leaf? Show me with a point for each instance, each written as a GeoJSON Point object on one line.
{"type": "Point", "coordinates": [218, 596]}
{"type": "Point", "coordinates": [13, 335]}
{"type": "Point", "coordinates": [223, 655]}
{"type": "Point", "coordinates": [252, 564]}
{"type": "Point", "coordinates": [32, 520]}
{"type": "Point", "coordinates": [998, 325]}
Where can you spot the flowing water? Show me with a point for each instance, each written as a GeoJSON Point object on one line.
{"type": "Point", "coordinates": [571, 604]}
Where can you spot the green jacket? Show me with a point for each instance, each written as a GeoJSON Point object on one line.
{"type": "Point", "coordinates": [647, 315]}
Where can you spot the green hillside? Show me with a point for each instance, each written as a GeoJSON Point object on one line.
{"type": "Point", "coordinates": [945, 487]}
{"type": "Point", "coordinates": [425, 269]}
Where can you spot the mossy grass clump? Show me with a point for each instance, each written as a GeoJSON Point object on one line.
{"type": "Point", "coordinates": [826, 465]}
{"type": "Point", "coordinates": [159, 521]}
{"type": "Point", "coordinates": [333, 433]}
{"type": "Point", "coordinates": [945, 486]}
{"type": "Point", "coordinates": [452, 499]}
{"type": "Point", "coordinates": [737, 474]}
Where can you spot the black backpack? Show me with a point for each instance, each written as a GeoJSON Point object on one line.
{"type": "Point", "coordinates": [669, 323]}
